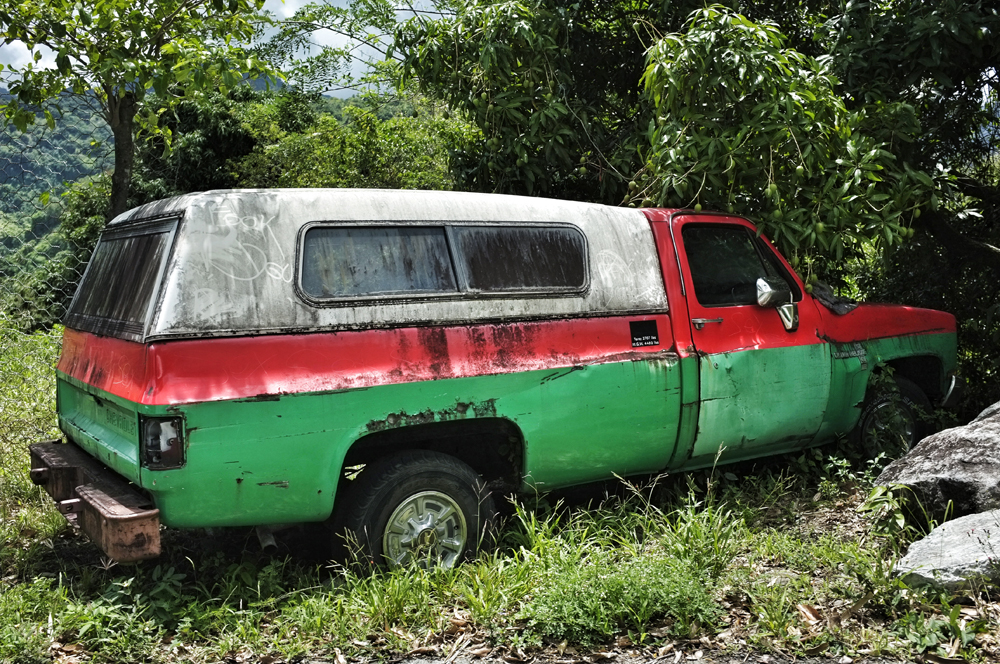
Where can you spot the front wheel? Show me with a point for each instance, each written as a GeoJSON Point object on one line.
{"type": "Point", "coordinates": [419, 507]}
{"type": "Point", "coordinates": [892, 418]}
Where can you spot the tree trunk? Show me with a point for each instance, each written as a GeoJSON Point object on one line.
{"type": "Point", "coordinates": [122, 112]}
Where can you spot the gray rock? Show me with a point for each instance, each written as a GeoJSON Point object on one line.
{"type": "Point", "coordinates": [991, 411]}
{"type": "Point", "coordinates": [956, 555]}
{"type": "Point", "coordinates": [961, 465]}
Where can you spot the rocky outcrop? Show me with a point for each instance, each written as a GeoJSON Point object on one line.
{"type": "Point", "coordinates": [960, 466]}
{"type": "Point", "coordinates": [957, 555]}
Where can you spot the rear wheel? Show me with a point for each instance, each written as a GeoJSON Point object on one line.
{"type": "Point", "coordinates": [893, 418]}
{"type": "Point", "coordinates": [419, 507]}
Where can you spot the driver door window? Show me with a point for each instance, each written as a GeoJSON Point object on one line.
{"type": "Point", "coordinates": [725, 263]}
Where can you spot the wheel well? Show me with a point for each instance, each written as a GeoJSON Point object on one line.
{"type": "Point", "coordinates": [925, 371]}
{"type": "Point", "coordinates": [492, 446]}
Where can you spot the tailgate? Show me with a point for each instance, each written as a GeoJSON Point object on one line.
{"type": "Point", "coordinates": [102, 424]}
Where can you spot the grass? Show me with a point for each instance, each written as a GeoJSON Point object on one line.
{"type": "Point", "coordinates": [776, 557]}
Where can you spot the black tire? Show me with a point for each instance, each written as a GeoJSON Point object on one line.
{"type": "Point", "coordinates": [893, 418]}
{"type": "Point", "coordinates": [416, 507]}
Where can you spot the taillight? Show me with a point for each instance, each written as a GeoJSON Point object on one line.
{"type": "Point", "coordinates": [162, 443]}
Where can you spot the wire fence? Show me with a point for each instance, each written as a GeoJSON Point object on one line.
{"type": "Point", "coordinates": [36, 168]}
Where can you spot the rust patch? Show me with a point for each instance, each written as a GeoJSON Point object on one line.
{"type": "Point", "coordinates": [260, 397]}
{"type": "Point", "coordinates": [460, 410]}
{"type": "Point", "coordinates": [435, 342]}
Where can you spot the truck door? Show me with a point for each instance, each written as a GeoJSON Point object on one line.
{"type": "Point", "coordinates": [763, 388]}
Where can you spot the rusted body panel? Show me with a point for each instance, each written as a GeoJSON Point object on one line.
{"type": "Point", "coordinates": [114, 514]}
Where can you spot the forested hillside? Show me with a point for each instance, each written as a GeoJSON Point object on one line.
{"type": "Point", "coordinates": [37, 167]}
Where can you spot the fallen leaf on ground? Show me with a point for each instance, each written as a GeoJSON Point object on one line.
{"type": "Point", "coordinates": [423, 650]}
{"type": "Point", "coordinates": [664, 650]}
{"type": "Point", "coordinates": [810, 615]}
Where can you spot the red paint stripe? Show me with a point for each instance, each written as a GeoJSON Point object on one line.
{"type": "Point", "coordinates": [113, 365]}
{"type": "Point", "coordinates": [190, 371]}
{"type": "Point", "coordinates": [878, 321]}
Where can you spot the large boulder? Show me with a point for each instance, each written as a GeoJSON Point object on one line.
{"type": "Point", "coordinates": [960, 465]}
{"type": "Point", "coordinates": [957, 555]}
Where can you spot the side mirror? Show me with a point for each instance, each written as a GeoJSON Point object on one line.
{"type": "Point", "coordinates": [772, 292]}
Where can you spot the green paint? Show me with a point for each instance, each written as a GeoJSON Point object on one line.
{"type": "Point", "coordinates": [104, 425]}
{"type": "Point", "coordinates": [275, 461]}
{"type": "Point", "coordinates": [760, 401]}
{"type": "Point", "coordinates": [854, 363]}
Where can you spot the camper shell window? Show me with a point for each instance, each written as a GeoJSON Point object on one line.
{"type": "Point", "coordinates": [365, 260]}
{"type": "Point", "coordinates": [343, 263]}
{"type": "Point", "coordinates": [519, 258]}
{"type": "Point", "coordinates": [116, 294]}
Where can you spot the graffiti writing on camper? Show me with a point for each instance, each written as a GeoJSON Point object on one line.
{"type": "Point", "coordinates": [241, 247]}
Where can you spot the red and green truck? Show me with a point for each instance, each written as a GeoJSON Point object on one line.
{"type": "Point", "coordinates": [390, 361]}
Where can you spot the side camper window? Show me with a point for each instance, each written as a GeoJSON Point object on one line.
{"type": "Point", "coordinates": [513, 258]}
{"type": "Point", "coordinates": [356, 261]}
{"type": "Point", "coordinates": [344, 263]}
{"type": "Point", "coordinates": [116, 294]}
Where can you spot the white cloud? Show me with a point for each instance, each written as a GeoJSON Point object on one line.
{"type": "Point", "coordinates": [16, 54]}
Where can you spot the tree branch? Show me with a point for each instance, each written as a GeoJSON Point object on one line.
{"type": "Point", "coordinates": [988, 193]}
{"type": "Point", "coordinates": [960, 246]}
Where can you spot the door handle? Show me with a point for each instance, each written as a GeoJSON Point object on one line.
{"type": "Point", "coordinates": [699, 323]}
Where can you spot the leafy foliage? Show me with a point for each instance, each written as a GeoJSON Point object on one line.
{"type": "Point", "coordinates": [364, 151]}
{"type": "Point", "coordinates": [361, 61]}
{"type": "Point", "coordinates": [553, 87]}
{"type": "Point", "coordinates": [743, 122]}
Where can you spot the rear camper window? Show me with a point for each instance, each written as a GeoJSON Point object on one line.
{"type": "Point", "coordinates": [352, 262]}
{"type": "Point", "coordinates": [116, 294]}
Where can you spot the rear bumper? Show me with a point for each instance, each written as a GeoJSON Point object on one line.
{"type": "Point", "coordinates": [111, 511]}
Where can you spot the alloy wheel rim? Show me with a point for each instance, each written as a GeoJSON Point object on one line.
{"type": "Point", "coordinates": [428, 529]}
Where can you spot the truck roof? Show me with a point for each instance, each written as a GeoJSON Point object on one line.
{"type": "Point", "coordinates": [235, 261]}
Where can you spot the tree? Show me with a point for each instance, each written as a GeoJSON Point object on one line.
{"type": "Point", "coordinates": [938, 58]}
{"type": "Point", "coordinates": [848, 129]}
{"type": "Point", "coordinates": [116, 53]}
{"type": "Point", "coordinates": [743, 122]}
{"type": "Point", "coordinates": [363, 150]}
{"type": "Point", "coordinates": [554, 87]}
{"type": "Point", "coordinates": [898, 86]}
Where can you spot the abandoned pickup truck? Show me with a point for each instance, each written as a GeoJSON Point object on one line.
{"type": "Point", "coordinates": [391, 361]}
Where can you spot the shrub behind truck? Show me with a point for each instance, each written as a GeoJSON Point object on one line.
{"type": "Point", "coordinates": [234, 358]}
